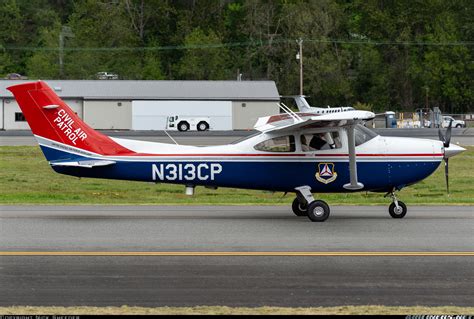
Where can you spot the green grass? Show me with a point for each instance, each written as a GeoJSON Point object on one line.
{"type": "Point", "coordinates": [26, 178]}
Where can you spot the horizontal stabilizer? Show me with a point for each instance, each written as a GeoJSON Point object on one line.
{"type": "Point", "coordinates": [85, 164]}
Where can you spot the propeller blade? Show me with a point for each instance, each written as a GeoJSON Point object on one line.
{"type": "Point", "coordinates": [448, 134]}
{"type": "Point", "coordinates": [441, 136]}
{"type": "Point", "coordinates": [446, 173]}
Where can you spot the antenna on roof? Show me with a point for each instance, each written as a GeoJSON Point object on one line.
{"type": "Point", "coordinates": [171, 137]}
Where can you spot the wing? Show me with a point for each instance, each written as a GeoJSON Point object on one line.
{"type": "Point", "coordinates": [296, 121]}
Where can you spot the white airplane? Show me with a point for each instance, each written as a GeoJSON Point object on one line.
{"type": "Point", "coordinates": [304, 107]}
{"type": "Point", "coordinates": [292, 152]}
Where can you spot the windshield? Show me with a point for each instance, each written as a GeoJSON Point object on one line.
{"type": "Point", "coordinates": [363, 134]}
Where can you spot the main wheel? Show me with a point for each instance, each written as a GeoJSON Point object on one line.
{"type": "Point", "coordinates": [202, 126]}
{"type": "Point", "coordinates": [183, 126]}
{"type": "Point", "coordinates": [318, 211]}
{"type": "Point", "coordinates": [399, 212]}
{"type": "Point", "coordinates": [299, 209]}
{"type": "Point", "coordinates": [459, 126]}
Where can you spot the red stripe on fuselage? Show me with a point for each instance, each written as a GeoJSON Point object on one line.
{"type": "Point", "coordinates": [284, 155]}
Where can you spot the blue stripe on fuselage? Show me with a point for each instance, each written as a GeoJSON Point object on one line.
{"type": "Point", "coordinates": [266, 175]}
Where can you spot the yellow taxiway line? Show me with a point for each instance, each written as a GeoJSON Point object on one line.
{"type": "Point", "coordinates": [242, 253]}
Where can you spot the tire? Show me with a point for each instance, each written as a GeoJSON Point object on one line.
{"type": "Point", "coordinates": [318, 211]}
{"type": "Point", "coordinates": [183, 126]}
{"type": "Point", "coordinates": [202, 126]}
{"type": "Point", "coordinates": [392, 209]}
{"type": "Point", "coordinates": [299, 209]}
{"type": "Point", "coordinates": [459, 126]}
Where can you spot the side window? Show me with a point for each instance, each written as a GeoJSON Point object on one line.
{"type": "Point", "coordinates": [320, 141]}
{"type": "Point", "coordinates": [277, 144]}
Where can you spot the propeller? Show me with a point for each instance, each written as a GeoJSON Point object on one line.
{"type": "Point", "coordinates": [446, 139]}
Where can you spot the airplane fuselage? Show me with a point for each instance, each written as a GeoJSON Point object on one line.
{"type": "Point", "coordinates": [381, 166]}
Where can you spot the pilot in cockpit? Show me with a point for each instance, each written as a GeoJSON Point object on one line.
{"type": "Point", "coordinates": [318, 142]}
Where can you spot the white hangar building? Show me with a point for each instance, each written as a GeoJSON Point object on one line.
{"type": "Point", "coordinates": [146, 105]}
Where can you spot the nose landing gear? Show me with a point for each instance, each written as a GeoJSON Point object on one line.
{"type": "Point", "coordinates": [397, 209]}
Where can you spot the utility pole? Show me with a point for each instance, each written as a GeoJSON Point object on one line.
{"type": "Point", "coordinates": [299, 56]}
{"type": "Point", "coordinates": [65, 32]}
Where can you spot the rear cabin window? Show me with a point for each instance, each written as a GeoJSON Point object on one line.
{"type": "Point", "coordinates": [277, 144]}
{"type": "Point", "coordinates": [320, 141]}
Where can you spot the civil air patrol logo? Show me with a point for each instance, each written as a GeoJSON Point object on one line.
{"type": "Point", "coordinates": [326, 173]}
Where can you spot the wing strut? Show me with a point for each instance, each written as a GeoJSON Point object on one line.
{"type": "Point", "coordinates": [354, 184]}
{"type": "Point", "coordinates": [296, 118]}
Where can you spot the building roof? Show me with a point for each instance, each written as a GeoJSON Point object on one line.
{"type": "Point", "coordinates": [160, 90]}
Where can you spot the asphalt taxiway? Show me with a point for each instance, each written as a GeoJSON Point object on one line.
{"type": "Point", "coordinates": [235, 256]}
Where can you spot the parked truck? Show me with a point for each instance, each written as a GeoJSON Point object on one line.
{"type": "Point", "coordinates": [186, 123]}
{"type": "Point", "coordinates": [456, 123]}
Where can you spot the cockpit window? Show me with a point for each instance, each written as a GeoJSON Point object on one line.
{"type": "Point", "coordinates": [363, 134]}
{"type": "Point", "coordinates": [320, 141]}
{"type": "Point", "coordinates": [277, 144]}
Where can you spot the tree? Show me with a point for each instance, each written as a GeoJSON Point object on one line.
{"type": "Point", "coordinates": [5, 62]}
{"type": "Point", "coordinates": [44, 64]}
{"type": "Point", "coordinates": [11, 25]}
{"type": "Point", "coordinates": [412, 70]}
{"type": "Point", "coordinates": [11, 22]}
{"type": "Point", "coordinates": [326, 64]}
{"type": "Point", "coordinates": [103, 41]}
{"type": "Point", "coordinates": [151, 69]}
{"type": "Point", "coordinates": [149, 19]}
{"type": "Point", "coordinates": [205, 58]}
{"type": "Point", "coordinates": [262, 27]}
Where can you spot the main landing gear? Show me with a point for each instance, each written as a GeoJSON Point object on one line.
{"type": "Point", "coordinates": [397, 209]}
{"type": "Point", "coordinates": [318, 210]}
{"type": "Point", "coordinates": [305, 205]}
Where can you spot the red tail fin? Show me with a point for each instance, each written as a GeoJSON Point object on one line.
{"type": "Point", "coordinates": [51, 118]}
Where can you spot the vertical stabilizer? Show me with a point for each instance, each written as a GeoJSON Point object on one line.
{"type": "Point", "coordinates": [52, 119]}
{"type": "Point", "coordinates": [302, 104]}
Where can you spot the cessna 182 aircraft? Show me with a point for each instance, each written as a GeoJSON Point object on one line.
{"type": "Point", "coordinates": [303, 153]}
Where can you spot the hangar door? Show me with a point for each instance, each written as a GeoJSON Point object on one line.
{"type": "Point", "coordinates": [152, 115]}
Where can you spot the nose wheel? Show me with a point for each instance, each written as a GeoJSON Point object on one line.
{"type": "Point", "coordinates": [397, 209]}
{"type": "Point", "coordinates": [397, 212]}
